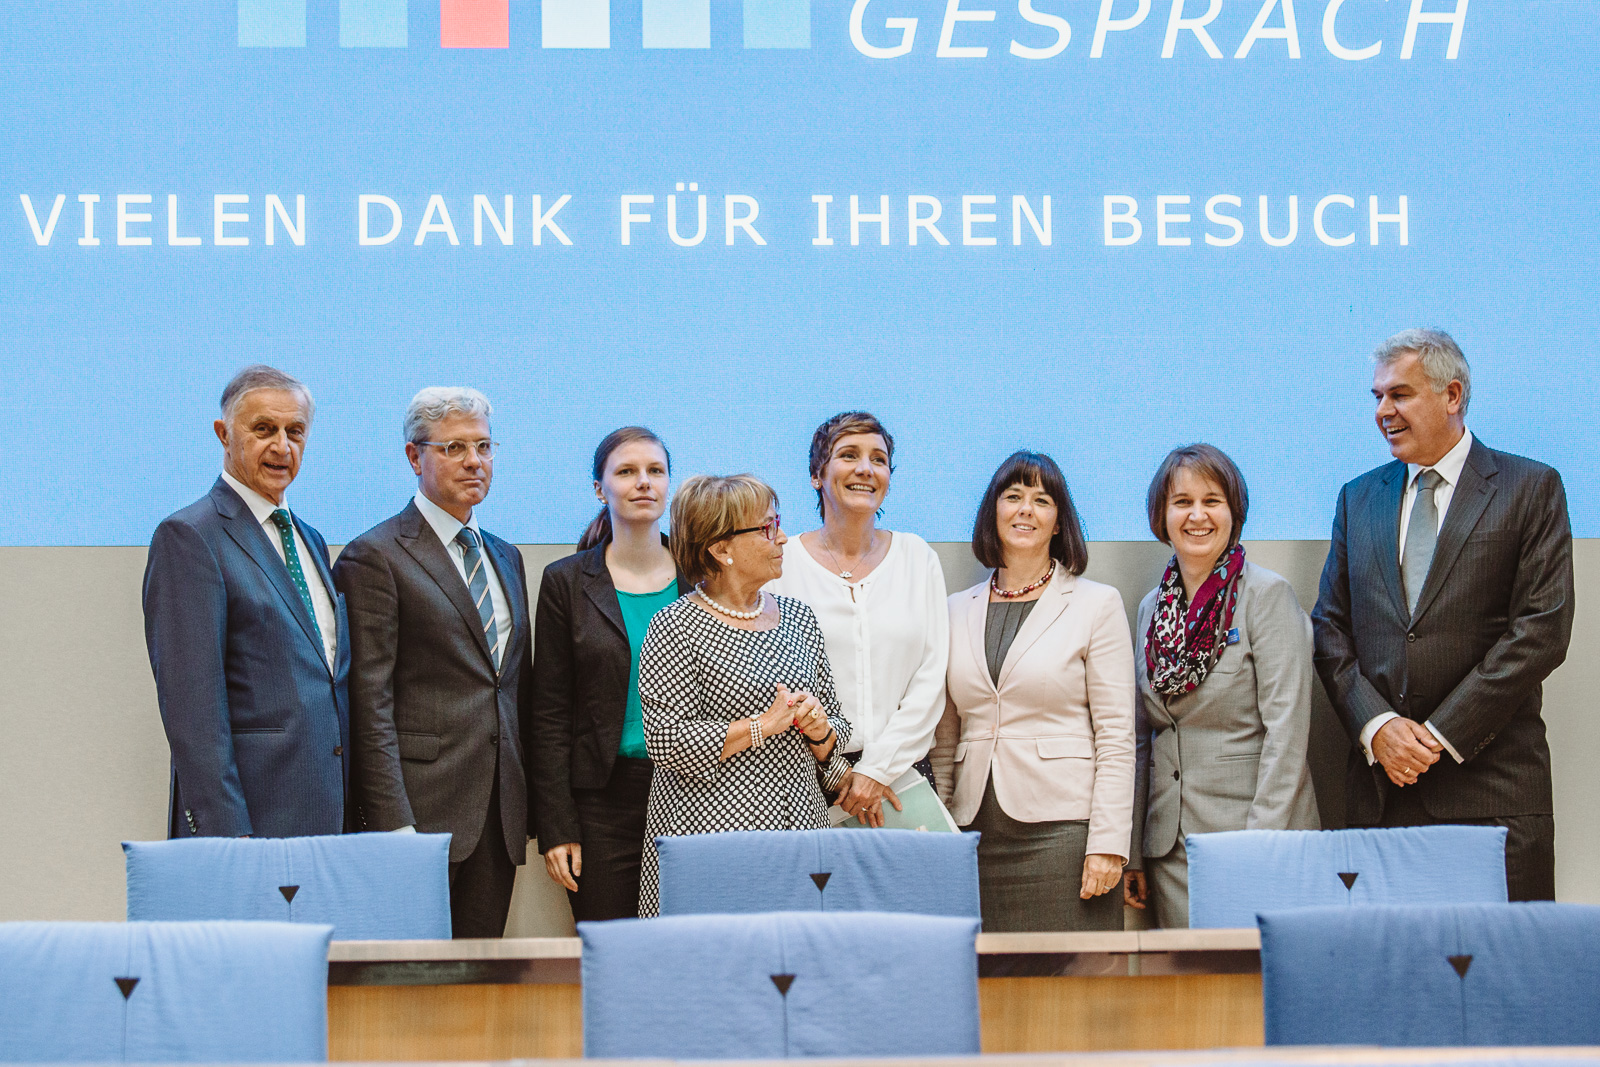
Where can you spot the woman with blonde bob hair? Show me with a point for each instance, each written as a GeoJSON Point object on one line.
{"type": "Point", "coordinates": [740, 714]}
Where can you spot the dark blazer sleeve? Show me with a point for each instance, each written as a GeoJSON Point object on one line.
{"type": "Point", "coordinates": [185, 630]}
{"type": "Point", "coordinates": [553, 693]}
{"type": "Point", "coordinates": [372, 601]}
{"type": "Point", "coordinates": [1537, 632]}
{"type": "Point", "coordinates": [525, 695]}
{"type": "Point", "coordinates": [1334, 646]}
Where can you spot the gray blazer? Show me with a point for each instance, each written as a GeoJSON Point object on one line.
{"type": "Point", "coordinates": [1231, 754]}
{"type": "Point", "coordinates": [1493, 621]}
{"type": "Point", "coordinates": [432, 723]}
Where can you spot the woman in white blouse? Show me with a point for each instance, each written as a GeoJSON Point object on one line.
{"type": "Point", "coordinates": [879, 596]}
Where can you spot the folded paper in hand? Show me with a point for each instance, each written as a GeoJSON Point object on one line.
{"type": "Point", "coordinates": [920, 806]}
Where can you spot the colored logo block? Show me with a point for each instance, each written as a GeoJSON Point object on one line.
{"type": "Point", "coordinates": [272, 23]}
{"type": "Point", "coordinates": [576, 23]}
{"type": "Point", "coordinates": [474, 23]}
{"type": "Point", "coordinates": [677, 23]}
{"type": "Point", "coordinates": [777, 23]}
{"type": "Point", "coordinates": [372, 23]}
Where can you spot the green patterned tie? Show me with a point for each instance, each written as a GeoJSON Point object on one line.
{"type": "Point", "coordinates": [291, 556]}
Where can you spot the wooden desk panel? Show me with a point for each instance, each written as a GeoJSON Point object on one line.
{"type": "Point", "coordinates": [501, 1000]}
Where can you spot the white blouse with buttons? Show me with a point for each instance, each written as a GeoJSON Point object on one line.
{"type": "Point", "coordinates": [888, 642]}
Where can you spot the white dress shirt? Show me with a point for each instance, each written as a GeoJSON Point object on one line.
{"type": "Point", "coordinates": [888, 643]}
{"type": "Point", "coordinates": [446, 526]}
{"type": "Point", "coordinates": [321, 597]}
{"type": "Point", "coordinates": [1449, 469]}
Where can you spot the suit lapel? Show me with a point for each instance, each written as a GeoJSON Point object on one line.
{"type": "Point", "coordinates": [1388, 503]}
{"type": "Point", "coordinates": [600, 589]}
{"type": "Point", "coordinates": [977, 618]}
{"type": "Point", "coordinates": [1054, 601]}
{"type": "Point", "coordinates": [241, 524]}
{"type": "Point", "coordinates": [1467, 504]}
{"type": "Point", "coordinates": [506, 570]}
{"type": "Point", "coordinates": [419, 540]}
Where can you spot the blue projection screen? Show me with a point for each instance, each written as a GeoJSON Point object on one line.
{"type": "Point", "coordinates": [1098, 228]}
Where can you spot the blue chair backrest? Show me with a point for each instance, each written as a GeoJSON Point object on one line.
{"type": "Point", "coordinates": [217, 992]}
{"type": "Point", "coordinates": [1234, 875]}
{"type": "Point", "coordinates": [912, 871]}
{"type": "Point", "coordinates": [781, 984]}
{"type": "Point", "coordinates": [1461, 974]}
{"type": "Point", "coordinates": [368, 887]}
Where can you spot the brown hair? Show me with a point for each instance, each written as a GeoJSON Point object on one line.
{"type": "Point", "coordinates": [708, 508]}
{"type": "Point", "coordinates": [1210, 463]}
{"type": "Point", "coordinates": [599, 531]}
{"type": "Point", "coordinates": [1068, 546]}
{"type": "Point", "coordinates": [843, 425]}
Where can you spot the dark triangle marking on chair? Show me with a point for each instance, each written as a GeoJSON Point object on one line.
{"type": "Point", "coordinates": [1349, 878]}
{"type": "Point", "coordinates": [821, 878]}
{"type": "Point", "coordinates": [1460, 963]}
{"type": "Point", "coordinates": [288, 892]}
{"type": "Point", "coordinates": [126, 985]}
{"type": "Point", "coordinates": [783, 982]}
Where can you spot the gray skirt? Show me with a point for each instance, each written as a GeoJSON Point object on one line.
{"type": "Point", "coordinates": [1029, 874]}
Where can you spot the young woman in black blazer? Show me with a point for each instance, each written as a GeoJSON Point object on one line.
{"type": "Point", "coordinates": [588, 774]}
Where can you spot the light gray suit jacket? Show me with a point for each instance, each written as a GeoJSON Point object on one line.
{"type": "Point", "coordinates": [1231, 754]}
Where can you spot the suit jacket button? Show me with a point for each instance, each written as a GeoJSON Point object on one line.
{"type": "Point", "coordinates": [338, 750]}
{"type": "Point", "coordinates": [494, 740]}
{"type": "Point", "coordinates": [1174, 776]}
{"type": "Point", "coordinates": [1411, 637]}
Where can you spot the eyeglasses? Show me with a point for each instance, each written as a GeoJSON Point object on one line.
{"type": "Point", "coordinates": [768, 529]}
{"type": "Point", "coordinates": [458, 449]}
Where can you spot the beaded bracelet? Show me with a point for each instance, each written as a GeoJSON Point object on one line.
{"type": "Point", "coordinates": [755, 731]}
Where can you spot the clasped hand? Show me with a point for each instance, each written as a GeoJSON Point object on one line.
{"type": "Point", "coordinates": [798, 709]}
{"type": "Point", "coordinates": [1405, 748]}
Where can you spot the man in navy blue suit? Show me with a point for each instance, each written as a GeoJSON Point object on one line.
{"type": "Point", "coordinates": [247, 637]}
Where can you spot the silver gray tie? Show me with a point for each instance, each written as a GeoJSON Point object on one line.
{"type": "Point", "coordinates": [1422, 533]}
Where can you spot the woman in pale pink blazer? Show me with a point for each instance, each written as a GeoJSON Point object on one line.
{"type": "Point", "coordinates": [1036, 746]}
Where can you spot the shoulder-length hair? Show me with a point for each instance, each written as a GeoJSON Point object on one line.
{"type": "Point", "coordinates": [1068, 546]}
{"type": "Point", "coordinates": [708, 508]}
{"type": "Point", "coordinates": [1210, 463]}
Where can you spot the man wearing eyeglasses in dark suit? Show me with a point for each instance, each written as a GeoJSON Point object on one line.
{"type": "Point", "coordinates": [440, 646]}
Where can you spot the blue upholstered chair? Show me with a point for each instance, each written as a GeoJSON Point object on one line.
{"type": "Point", "coordinates": [819, 870]}
{"type": "Point", "coordinates": [366, 886]}
{"type": "Point", "coordinates": [1234, 875]}
{"type": "Point", "coordinates": [1460, 974]}
{"type": "Point", "coordinates": [218, 992]}
{"type": "Point", "coordinates": [780, 984]}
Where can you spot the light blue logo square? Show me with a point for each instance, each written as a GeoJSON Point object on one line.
{"type": "Point", "coordinates": [575, 23]}
{"type": "Point", "coordinates": [272, 23]}
{"type": "Point", "coordinates": [372, 23]}
{"type": "Point", "coordinates": [777, 23]}
{"type": "Point", "coordinates": [677, 23]}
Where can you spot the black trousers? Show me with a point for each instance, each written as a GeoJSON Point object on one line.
{"type": "Point", "coordinates": [1530, 841]}
{"type": "Point", "coordinates": [611, 823]}
{"type": "Point", "coordinates": [481, 884]}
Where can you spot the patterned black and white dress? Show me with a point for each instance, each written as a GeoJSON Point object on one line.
{"type": "Point", "coordinates": [697, 674]}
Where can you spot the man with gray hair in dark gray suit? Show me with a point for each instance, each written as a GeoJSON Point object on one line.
{"type": "Point", "coordinates": [441, 653]}
{"type": "Point", "coordinates": [246, 637]}
{"type": "Point", "coordinates": [1446, 600]}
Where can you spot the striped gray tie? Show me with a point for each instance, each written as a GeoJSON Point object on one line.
{"type": "Point", "coordinates": [478, 586]}
{"type": "Point", "coordinates": [1422, 533]}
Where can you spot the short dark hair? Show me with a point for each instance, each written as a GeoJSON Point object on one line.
{"type": "Point", "coordinates": [1210, 463]}
{"type": "Point", "coordinates": [843, 425]}
{"type": "Point", "coordinates": [1068, 545]}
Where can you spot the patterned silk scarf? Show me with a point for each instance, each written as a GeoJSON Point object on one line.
{"type": "Point", "coordinates": [1183, 645]}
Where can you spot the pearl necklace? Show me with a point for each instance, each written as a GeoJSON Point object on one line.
{"type": "Point", "coordinates": [1010, 594]}
{"type": "Point", "coordinates": [761, 604]}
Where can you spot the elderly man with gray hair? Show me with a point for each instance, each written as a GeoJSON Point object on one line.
{"type": "Point", "coordinates": [1446, 600]}
{"type": "Point", "coordinates": [246, 637]}
{"type": "Point", "coordinates": [441, 653]}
